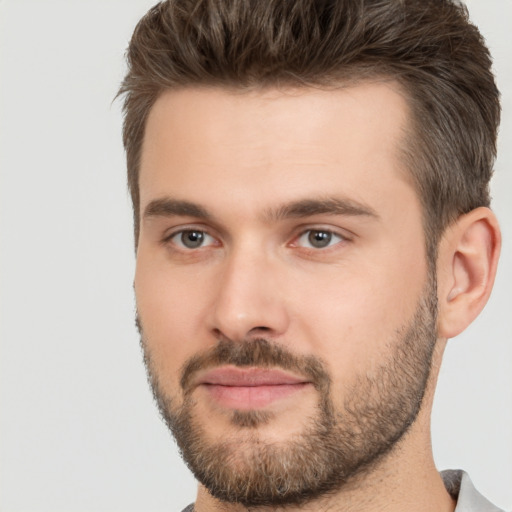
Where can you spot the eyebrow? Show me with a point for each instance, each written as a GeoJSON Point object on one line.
{"type": "Point", "coordinates": [169, 207]}
{"type": "Point", "coordinates": [326, 206]}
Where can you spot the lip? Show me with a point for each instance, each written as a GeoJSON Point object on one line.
{"type": "Point", "coordinates": [249, 388]}
{"type": "Point", "coordinates": [249, 377]}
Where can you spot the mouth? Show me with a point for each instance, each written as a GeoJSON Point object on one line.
{"type": "Point", "coordinates": [249, 388]}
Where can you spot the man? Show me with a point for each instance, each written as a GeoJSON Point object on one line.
{"type": "Point", "coordinates": [310, 190]}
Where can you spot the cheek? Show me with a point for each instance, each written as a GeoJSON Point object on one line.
{"type": "Point", "coordinates": [351, 316]}
{"type": "Point", "coordinates": [170, 311]}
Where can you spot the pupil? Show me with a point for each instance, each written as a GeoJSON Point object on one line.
{"type": "Point", "coordinates": [192, 239]}
{"type": "Point", "coordinates": [319, 239]}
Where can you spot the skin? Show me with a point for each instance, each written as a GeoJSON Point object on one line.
{"type": "Point", "coordinates": [242, 157]}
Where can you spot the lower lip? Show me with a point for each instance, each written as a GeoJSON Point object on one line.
{"type": "Point", "coordinates": [251, 397]}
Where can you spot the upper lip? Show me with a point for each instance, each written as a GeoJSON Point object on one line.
{"type": "Point", "coordinates": [248, 377]}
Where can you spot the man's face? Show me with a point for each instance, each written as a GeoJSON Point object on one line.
{"type": "Point", "coordinates": [285, 302]}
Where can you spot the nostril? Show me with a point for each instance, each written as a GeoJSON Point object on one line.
{"type": "Point", "coordinates": [260, 329]}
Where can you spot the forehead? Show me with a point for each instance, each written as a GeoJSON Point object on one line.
{"type": "Point", "coordinates": [262, 144]}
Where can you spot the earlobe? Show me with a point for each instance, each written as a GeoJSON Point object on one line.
{"type": "Point", "coordinates": [467, 262]}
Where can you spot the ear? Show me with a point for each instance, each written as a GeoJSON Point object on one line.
{"type": "Point", "coordinates": [466, 267]}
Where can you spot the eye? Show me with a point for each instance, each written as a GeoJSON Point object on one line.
{"type": "Point", "coordinates": [191, 239]}
{"type": "Point", "coordinates": [318, 239]}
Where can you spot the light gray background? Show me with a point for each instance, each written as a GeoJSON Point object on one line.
{"type": "Point", "coordinates": [78, 429]}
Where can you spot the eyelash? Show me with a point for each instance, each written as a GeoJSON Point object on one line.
{"type": "Point", "coordinates": [305, 232]}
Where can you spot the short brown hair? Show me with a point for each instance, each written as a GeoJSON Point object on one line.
{"type": "Point", "coordinates": [428, 46]}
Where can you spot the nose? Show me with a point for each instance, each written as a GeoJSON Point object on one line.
{"type": "Point", "coordinates": [249, 299]}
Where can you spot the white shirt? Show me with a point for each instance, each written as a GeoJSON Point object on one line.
{"type": "Point", "coordinates": [461, 488]}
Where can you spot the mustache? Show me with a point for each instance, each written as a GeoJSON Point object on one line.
{"type": "Point", "coordinates": [258, 352]}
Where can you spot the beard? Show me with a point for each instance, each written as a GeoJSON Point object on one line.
{"type": "Point", "coordinates": [336, 443]}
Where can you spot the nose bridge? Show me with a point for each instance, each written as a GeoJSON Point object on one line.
{"type": "Point", "coordinates": [248, 299]}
